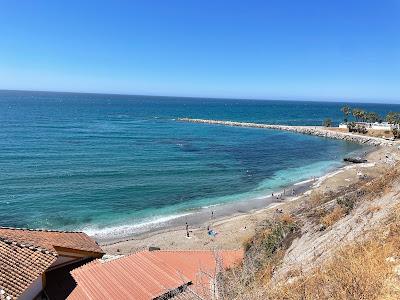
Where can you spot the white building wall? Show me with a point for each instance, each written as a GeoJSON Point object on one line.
{"type": "Point", "coordinates": [375, 126]}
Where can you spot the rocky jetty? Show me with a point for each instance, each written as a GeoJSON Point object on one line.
{"type": "Point", "coordinates": [310, 130]}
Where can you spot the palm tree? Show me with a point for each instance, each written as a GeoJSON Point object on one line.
{"type": "Point", "coordinates": [356, 112]}
{"type": "Point", "coordinates": [346, 110]}
{"type": "Point", "coordinates": [327, 123]}
{"type": "Point", "coordinates": [363, 115]}
{"type": "Point", "coordinates": [393, 118]}
{"type": "Point", "coordinates": [373, 117]}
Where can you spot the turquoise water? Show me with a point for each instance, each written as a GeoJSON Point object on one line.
{"type": "Point", "coordinates": [104, 163]}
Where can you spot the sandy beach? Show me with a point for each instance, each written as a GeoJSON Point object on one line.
{"type": "Point", "coordinates": [236, 223]}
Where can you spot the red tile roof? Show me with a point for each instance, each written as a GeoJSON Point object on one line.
{"type": "Point", "coordinates": [20, 266]}
{"type": "Point", "coordinates": [201, 266]}
{"type": "Point", "coordinates": [148, 275]}
{"type": "Point", "coordinates": [50, 239]}
{"type": "Point", "coordinates": [25, 254]}
{"type": "Point", "coordinates": [141, 274]}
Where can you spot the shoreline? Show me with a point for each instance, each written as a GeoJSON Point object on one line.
{"type": "Point", "coordinates": [201, 216]}
{"type": "Point", "coordinates": [243, 216]}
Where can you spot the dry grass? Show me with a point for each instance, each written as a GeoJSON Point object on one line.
{"type": "Point", "coordinates": [326, 209]}
{"type": "Point", "coordinates": [331, 218]}
{"type": "Point", "coordinates": [316, 198]}
{"type": "Point", "coordinates": [364, 270]}
{"type": "Point", "coordinates": [287, 219]}
{"type": "Point", "coordinates": [371, 132]}
{"type": "Point", "coordinates": [373, 209]}
{"type": "Point", "coordinates": [264, 252]}
{"type": "Point", "coordinates": [381, 184]}
{"type": "Point", "coordinates": [361, 270]}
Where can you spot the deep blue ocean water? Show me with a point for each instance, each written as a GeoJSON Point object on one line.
{"type": "Point", "coordinates": [98, 162]}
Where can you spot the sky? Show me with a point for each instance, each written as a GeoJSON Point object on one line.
{"type": "Point", "coordinates": [344, 50]}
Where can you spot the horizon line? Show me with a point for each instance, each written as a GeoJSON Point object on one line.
{"type": "Point", "coordinates": [200, 97]}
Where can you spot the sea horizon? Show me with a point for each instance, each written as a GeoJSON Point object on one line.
{"type": "Point", "coordinates": [195, 97]}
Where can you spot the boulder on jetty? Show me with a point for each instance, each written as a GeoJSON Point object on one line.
{"type": "Point", "coordinates": [355, 160]}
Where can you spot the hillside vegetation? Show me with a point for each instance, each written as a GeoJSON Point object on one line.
{"type": "Point", "coordinates": [337, 245]}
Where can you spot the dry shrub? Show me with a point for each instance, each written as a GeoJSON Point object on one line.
{"type": "Point", "coordinates": [247, 243]}
{"type": "Point", "coordinates": [381, 184]}
{"type": "Point", "coordinates": [363, 270]}
{"type": "Point", "coordinates": [360, 271]}
{"type": "Point", "coordinates": [373, 209]}
{"type": "Point", "coordinates": [316, 198]}
{"type": "Point", "coordinates": [331, 218]}
{"type": "Point", "coordinates": [286, 219]}
{"type": "Point", "coordinates": [264, 253]}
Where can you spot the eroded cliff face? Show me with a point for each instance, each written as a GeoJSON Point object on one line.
{"type": "Point", "coordinates": [317, 244]}
{"type": "Point", "coordinates": [343, 244]}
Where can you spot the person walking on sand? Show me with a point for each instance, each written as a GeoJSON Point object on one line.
{"type": "Point", "coordinates": [212, 214]}
{"type": "Point", "coordinates": [187, 229]}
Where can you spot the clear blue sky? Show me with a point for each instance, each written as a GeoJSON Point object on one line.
{"type": "Point", "coordinates": [333, 49]}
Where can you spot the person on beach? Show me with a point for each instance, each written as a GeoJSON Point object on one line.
{"type": "Point", "coordinates": [187, 229]}
{"type": "Point", "coordinates": [212, 214]}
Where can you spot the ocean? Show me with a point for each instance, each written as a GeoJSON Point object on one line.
{"type": "Point", "coordinates": [113, 164]}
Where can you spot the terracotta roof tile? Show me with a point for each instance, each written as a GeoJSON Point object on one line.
{"type": "Point", "coordinates": [148, 275]}
{"type": "Point", "coordinates": [78, 294]}
{"type": "Point", "coordinates": [201, 266]}
{"type": "Point", "coordinates": [140, 275]}
{"type": "Point", "coordinates": [20, 266]}
{"type": "Point", "coordinates": [49, 239]}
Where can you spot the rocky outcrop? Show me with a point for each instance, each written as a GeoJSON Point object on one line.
{"type": "Point", "coordinates": [310, 130]}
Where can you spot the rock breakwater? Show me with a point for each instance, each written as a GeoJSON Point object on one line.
{"type": "Point", "coordinates": [310, 130]}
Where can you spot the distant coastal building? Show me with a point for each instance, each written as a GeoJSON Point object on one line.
{"type": "Point", "coordinates": [177, 275]}
{"type": "Point", "coordinates": [375, 126]}
{"type": "Point", "coordinates": [36, 264]}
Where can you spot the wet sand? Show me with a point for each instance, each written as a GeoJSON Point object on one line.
{"type": "Point", "coordinates": [236, 222]}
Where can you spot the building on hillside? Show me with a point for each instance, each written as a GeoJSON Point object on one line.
{"type": "Point", "coordinates": [36, 264]}
{"type": "Point", "coordinates": [157, 275]}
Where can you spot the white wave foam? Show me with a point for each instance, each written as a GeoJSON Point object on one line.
{"type": "Point", "coordinates": [126, 230]}
{"type": "Point", "coordinates": [325, 177]}
{"type": "Point", "coordinates": [304, 181]}
{"type": "Point", "coordinates": [211, 205]}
